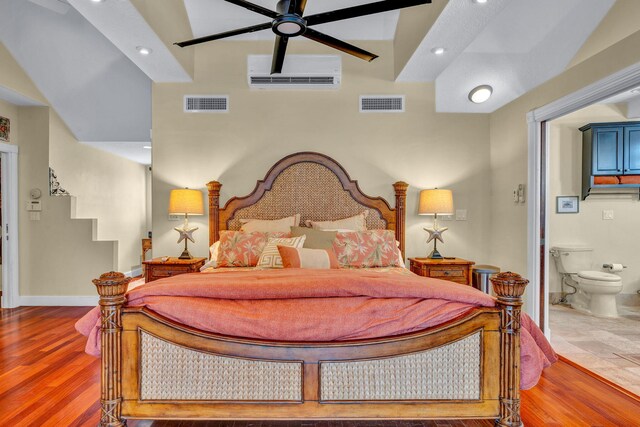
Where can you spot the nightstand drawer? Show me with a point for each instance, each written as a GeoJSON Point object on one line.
{"type": "Point", "coordinates": [452, 269]}
{"type": "Point", "coordinates": [447, 273]}
{"type": "Point", "coordinates": [159, 269]}
{"type": "Point", "coordinates": [169, 271]}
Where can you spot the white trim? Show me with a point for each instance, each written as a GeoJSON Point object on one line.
{"type": "Point", "coordinates": [9, 224]}
{"type": "Point", "coordinates": [59, 301]}
{"type": "Point", "coordinates": [614, 84]}
{"type": "Point", "coordinates": [134, 273]}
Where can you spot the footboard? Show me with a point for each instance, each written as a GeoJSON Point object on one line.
{"type": "Point", "coordinates": [155, 368]}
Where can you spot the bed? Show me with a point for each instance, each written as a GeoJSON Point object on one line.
{"type": "Point", "coordinates": [470, 364]}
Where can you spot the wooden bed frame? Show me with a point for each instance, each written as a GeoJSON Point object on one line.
{"type": "Point", "coordinates": [326, 380]}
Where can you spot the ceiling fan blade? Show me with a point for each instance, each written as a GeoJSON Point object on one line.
{"type": "Point", "coordinates": [278, 54]}
{"type": "Point", "coordinates": [362, 10]}
{"type": "Point", "coordinates": [245, 30]}
{"type": "Point", "coordinates": [339, 44]}
{"type": "Point", "coordinates": [254, 8]}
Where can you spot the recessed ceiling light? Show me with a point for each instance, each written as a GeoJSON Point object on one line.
{"type": "Point", "coordinates": [438, 50]}
{"type": "Point", "coordinates": [147, 147]}
{"type": "Point", "coordinates": [144, 50]}
{"type": "Point", "coordinates": [480, 94]}
{"type": "Point", "coordinates": [480, 1]}
{"type": "Point", "coordinates": [636, 90]}
{"type": "Point", "coordinates": [97, 1]}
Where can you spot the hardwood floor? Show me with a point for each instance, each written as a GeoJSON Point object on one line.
{"type": "Point", "coordinates": [46, 379]}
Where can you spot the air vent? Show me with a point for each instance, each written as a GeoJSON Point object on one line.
{"type": "Point", "coordinates": [206, 104]}
{"type": "Point", "coordinates": [303, 81]}
{"type": "Point", "coordinates": [382, 104]}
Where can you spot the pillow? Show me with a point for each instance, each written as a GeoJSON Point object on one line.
{"type": "Point", "coordinates": [373, 248]}
{"type": "Point", "coordinates": [240, 249]}
{"type": "Point", "coordinates": [355, 223]}
{"type": "Point", "coordinates": [270, 257]}
{"type": "Point", "coordinates": [270, 225]}
{"type": "Point", "coordinates": [308, 258]}
{"type": "Point", "coordinates": [213, 258]}
{"type": "Point", "coordinates": [316, 239]}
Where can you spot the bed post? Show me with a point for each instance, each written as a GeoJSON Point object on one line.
{"type": "Point", "coordinates": [401, 202]}
{"type": "Point", "coordinates": [509, 288]}
{"type": "Point", "coordinates": [111, 287]}
{"type": "Point", "coordinates": [214, 211]}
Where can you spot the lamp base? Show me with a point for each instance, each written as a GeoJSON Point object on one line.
{"type": "Point", "coordinates": [185, 255]}
{"type": "Point", "coordinates": [435, 254]}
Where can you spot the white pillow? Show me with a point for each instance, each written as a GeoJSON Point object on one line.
{"type": "Point", "coordinates": [270, 257]}
{"type": "Point", "coordinates": [213, 259]}
{"type": "Point", "coordinates": [270, 225]}
{"type": "Point", "coordinates": [353, 223]}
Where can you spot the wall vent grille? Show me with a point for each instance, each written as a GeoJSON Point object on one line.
{"type": "Point", "coordinates": [206, 104]}
{"type": "Point", "coordinates": [293, 80]}
{"type": "Point", "coordinates": [382, 104]}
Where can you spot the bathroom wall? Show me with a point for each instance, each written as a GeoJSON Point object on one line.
{"type": "Point", "coordinates": [614, 240]}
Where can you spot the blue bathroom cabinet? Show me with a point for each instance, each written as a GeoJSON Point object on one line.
{"type": "Point", "coordinates": [609, 149]}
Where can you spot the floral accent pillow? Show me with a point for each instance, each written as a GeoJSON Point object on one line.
{"type": "Point", "coordinates": [373, 248]}
{"type": "Point", "coordinates": [240, 249]}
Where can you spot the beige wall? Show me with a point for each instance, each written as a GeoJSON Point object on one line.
{"type": "Point", "coordinates": [106, 187]}
{"type": "Point", "coordinates": [508, 129]}
{"type": "Point", "coordinates": [613, 241]}
{"type": "Point", "coordinates": [421, 147]}
{"type": "Point", "coordinates": [58, 256]}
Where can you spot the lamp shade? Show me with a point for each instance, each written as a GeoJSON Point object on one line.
{"type": "Point", "coordinates": [436, 202]}
{"type": "Point", "coordinates": [185, 201]}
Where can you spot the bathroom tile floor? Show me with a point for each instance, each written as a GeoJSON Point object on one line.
{"type": "Point", "coordinates": [607, 347]}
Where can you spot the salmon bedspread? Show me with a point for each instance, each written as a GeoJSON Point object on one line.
{"type": "Point", "coordinates": [317, 305]}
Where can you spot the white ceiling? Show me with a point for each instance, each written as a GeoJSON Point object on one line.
{"type": "Point", "coordinates": [87, 66]}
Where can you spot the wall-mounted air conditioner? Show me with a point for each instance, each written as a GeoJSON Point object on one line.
{"type": "Point", "coordinates": [298, 72]}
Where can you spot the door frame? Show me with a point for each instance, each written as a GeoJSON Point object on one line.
{"type": "Point", "coordinates": [9, 224]}
{"type": "Point", "coordinates": [538, 208]}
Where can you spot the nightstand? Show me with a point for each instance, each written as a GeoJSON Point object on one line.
{"type": "Point", "coordinates": [157, 269]}
{"type": "Point", "coordinates": [454, 269]}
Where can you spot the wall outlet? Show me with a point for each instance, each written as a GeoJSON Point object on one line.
{"type": "Point", "coordinates": [461, 214]}
{"type": "Point", "coordinates": [445, 217]}
{"type": "Point", "coordinates": [176, 217]}
{"type": "Point", "coordinates": [607, 214]}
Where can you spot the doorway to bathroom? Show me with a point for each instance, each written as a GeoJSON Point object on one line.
{"type": "Point", "coordinates": [592, 241]}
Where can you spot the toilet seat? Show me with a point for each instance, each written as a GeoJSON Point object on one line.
{"type": "Point", "coordinates": [599, 276]}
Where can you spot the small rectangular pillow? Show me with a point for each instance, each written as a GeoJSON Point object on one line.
{"type": "Point", "coordinates": [604, 180]}
{"type": "Point", "coordinates": [355, 223]}
{"type": "Point", "coordinates": [323, 259]}
{"type": "Point", "coordinates": [270, 225]}
{"type": "Point", "coordinates": [240, 249]}
{"type": "Point", "coordinates": [373, 248]}
{"type": "Point", "coordinates": [316, 239]}
{"type": "Point", "coordinates": [270, 257]}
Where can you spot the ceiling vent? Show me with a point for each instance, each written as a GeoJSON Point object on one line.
{"type": "Point", "coordinates": [206, 104]}
{"type": "Point", "coordinates": [298, 72]}
{"type": "Point", "coordinates": [382, 104]}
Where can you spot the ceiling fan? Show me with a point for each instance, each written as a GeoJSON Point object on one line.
{"type": "Point", "coordinates": [288, 21]}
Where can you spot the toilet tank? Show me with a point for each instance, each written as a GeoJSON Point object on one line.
{"type": "Point", "coordinates": [572, 259]}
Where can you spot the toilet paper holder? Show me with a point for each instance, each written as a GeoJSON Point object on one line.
{"type": "Point", "coordinates": [611, 266]}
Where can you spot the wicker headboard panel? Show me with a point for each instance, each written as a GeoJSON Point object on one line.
{"type": "Point", "coordinates": [310, 184]}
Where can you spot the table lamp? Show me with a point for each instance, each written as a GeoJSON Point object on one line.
{"type": "Point", "coordinates": [434, 202]}
{"type": "Point", "coordinates": [184, 202]}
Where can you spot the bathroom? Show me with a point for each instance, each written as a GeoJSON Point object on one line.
{"type": "Point", "coordinates": [603, 229]}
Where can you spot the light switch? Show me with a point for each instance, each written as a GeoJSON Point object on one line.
{"type": "Point", "coordinates": [607, 214]}
{"type": "Point", "coordinates": [34, 216]}
{"type": "Point", "coordinates": [176, 217]}
{"type": "Point", "coordinates": [461, 214]}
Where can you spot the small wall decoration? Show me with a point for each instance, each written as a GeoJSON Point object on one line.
{"type": "Point", "coordinates": [567, 204]}
{"type": "Point", "coordinates": [4, 129]}
{"type": "Point", "coordinates": [55, 189]}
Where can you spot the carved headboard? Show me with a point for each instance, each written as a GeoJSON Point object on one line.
{"type": "Point", "coordinates": [313, 185]}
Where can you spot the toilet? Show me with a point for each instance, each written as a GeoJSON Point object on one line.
{"type": "Point", "coordinates": [595, 290]}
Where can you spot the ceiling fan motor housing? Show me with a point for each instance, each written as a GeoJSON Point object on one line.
{"type": "Point", "coordinates": [289, 25]}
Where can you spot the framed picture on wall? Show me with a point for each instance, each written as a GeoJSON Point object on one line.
{"type": "Point", "coordinates": [567, 204]}
{"type": "Point", "coordinates": [4, 129]}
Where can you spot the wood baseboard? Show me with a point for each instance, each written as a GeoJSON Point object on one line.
{"type": "Point", "coordinates": [600, 378]}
